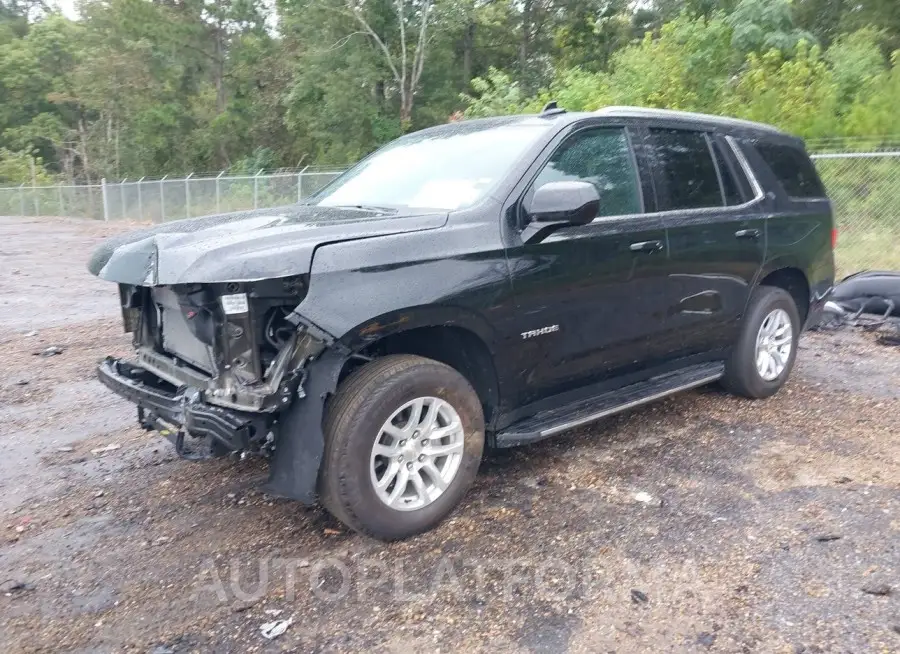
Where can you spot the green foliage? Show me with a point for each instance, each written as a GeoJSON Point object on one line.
{"type": "Point", "coordinates": [139, 87]}
{"type": "Point", "coordinates": [496, 95]}
{"type": "Point", "coordinates": [21, 167]}
{"type": "Point", "coordinates": [796, 94]}
{"type": "Point", "coordinates": [761, 25]}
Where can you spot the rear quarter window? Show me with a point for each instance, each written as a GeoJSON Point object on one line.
{"type": "Point", "coordinates": [793, 168]}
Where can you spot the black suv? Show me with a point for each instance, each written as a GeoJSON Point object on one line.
{"type": "Point", "coordinates": [482, 283]}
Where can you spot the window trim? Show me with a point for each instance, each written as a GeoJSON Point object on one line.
{"type": "Point", "coordinates": [729, 162]}
{"type": "Point", "coordinates": [748, 170]}
{"type": "Point", "coordinates": [712, 154]}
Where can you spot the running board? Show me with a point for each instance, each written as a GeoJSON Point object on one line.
{"type": "Point", "coordinates": [553, 421]}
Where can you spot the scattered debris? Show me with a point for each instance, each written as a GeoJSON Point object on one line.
{"type": "Point", "coordinates": [274, 612]}
{"type": "Point", "coordinates": [272, 630]}
{"type": "Point", "coordinates": [706, 639]}
{"type": "Point", "coordinates": [162, 649]}
{"type": "Point", "coordinates": [21, 382]}
{"type": "Point", "coordinates": [874, 293]}
{"type": "Point", "coordinates": [647, 498]}
{"type": "Point", "coordinates": [842, 480]}
{"type": "Point", "coordinates": [825, 538]}
{"type": "Point", "coordinates": [53, 350]}
{"type": "Point", "coordinates": [639, 597]}
{"type": "Point", "coordinates": [106, 448]}
{"type": "Point", "coordinates": [333, 532]}
{"type": "Point", "coordinates": [33, 332]}
{"type": "Point", "coordinates": [99, 493]}
{"type": "Point", "coordinates": [882, 590]}
{"type": "Point", "coordinates": [65, 448]}
{"type": "Point", "coordinates": [11, 586]}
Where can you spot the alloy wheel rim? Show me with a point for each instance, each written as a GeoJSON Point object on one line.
{"type": "Point", "coordinates": [774, 343]}
{"type": "Point", "coordinates": [417, 454]}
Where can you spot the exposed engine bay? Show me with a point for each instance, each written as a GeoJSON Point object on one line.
{"type": "Point", "coordinates": [215, 363]}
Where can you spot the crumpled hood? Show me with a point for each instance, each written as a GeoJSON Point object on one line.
{"type": "Point", "coordinates": [241, 247]}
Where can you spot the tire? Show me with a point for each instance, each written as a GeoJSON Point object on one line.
{"type": "Point", "coordinates": [356, 416]}
{"type": "Point", "coordinates": [742, 374]}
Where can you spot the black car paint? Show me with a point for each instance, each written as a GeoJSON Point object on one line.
{"type": "Point", "coordinates": [246, 246]}
{"type": "Point", "coordinates": [622, 313]}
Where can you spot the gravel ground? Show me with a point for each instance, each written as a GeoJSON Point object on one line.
{"type": "Point", "coordinates": [771, 526]}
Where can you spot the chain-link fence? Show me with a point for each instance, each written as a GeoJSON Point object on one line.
{"type": "Point", "coordinates": [863, 186]}
{"type": "Point", "coordinates": [159, 200]}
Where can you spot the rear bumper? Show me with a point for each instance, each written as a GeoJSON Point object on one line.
{"type": "Point", "coordinates": [180, 412]}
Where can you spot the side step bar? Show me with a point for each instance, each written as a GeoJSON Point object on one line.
{"type": "Point", "coordinates": [553, 421]}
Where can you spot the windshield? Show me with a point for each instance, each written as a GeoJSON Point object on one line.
{"type": "Point", "coordinates": [449, 169]}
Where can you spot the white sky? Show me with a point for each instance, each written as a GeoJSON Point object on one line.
{"type": "Point", "coordinates": [68, 8]}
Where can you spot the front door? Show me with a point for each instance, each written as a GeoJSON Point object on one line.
{"type": "Point", "coordinates": [716, 232]}
{"type": "Point", "coordinates": [590, 297]}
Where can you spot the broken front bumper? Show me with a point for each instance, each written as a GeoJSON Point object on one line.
{"type": "Point", "coordinates": [179, 412]}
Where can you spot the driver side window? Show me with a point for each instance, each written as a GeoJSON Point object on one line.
{"type": "Point", "coordinates": [602, 157]}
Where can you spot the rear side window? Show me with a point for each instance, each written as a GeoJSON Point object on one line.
{"type": "Point", "coordinates": [601, 156]}
{"type": "Point", "coordinates": [685, 165]}
{"type": "Point", "coordinates": [793, 169]}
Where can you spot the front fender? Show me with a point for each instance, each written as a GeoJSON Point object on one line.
{"type": "Point", "coordinates": [360, 292]}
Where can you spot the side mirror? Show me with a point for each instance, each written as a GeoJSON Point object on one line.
{"type": "Point", "coordinates": [558, 204]}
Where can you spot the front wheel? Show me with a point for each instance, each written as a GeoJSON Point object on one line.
{"type": "Point", "coordinates": [403, 440]}
{"type": "Point", "coordinates": [764, 354]}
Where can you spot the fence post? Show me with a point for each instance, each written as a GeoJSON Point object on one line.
{"type": "Point", "coordinates": [122, 198]}
{"type": "Point", "coordinates": [140, 199]}
{"type": "Point", "coordinates": [105, 199]}
{"type": "Point", "coordinates": [162, 199]}
{"type": "Point", "coordinates": [22, 197]}
{"type": "Point", "coordinates": [222, 172]}
{"type": "Point", "coordinates": [187, 196]}
{"type": "Point", "coordinates": [34, 196]}
{"type": "Point", "coordinates": [300, 183]}
{"type": "Point", "coordinates": [62, 206]}
{"type": "Point", "coordinates": [256, 189]}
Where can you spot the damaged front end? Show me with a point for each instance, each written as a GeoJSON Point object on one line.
{"type": "Point", "coordinates": [224, 367]}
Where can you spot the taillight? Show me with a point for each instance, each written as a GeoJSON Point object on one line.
{"type": "Point", "coordinates": [833, 237]}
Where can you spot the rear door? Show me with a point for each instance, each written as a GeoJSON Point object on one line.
{"type": "Point", "coordinates": [716, 233]}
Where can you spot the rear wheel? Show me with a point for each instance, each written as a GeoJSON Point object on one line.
{"type": "Point", "coordinates": [764, 354]}
{"type": "Point", "coordinates": [403, 440]}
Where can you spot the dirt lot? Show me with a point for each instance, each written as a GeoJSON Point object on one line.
{"type": "Point", "coordinates": [771, 527]}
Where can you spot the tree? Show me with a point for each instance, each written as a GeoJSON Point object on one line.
{"type": "Point", "coordinates": [412, 18]}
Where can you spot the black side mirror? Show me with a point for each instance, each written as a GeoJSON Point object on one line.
{"type": "Point", "coordinates": [557, 204]}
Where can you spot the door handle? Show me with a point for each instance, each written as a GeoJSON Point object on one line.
{"type": "Point", "coordinates": [647, 246]}
{"type": "Point", "coordinates": [747, 233]}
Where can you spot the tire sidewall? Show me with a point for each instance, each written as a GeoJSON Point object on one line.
{"type": "Point", "coordinates": [425, 380]}
{"type": "Point", "coordinates": [769, 299]}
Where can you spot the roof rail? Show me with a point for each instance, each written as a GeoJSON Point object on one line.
{"type": "Point", "coordinates": [646, 112]}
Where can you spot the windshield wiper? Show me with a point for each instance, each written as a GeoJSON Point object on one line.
{"type": "Point", "coordinates": [365, 207]}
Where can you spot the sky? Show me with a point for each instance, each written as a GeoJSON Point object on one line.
{"type": "Point", "coordinates": [68, 8]}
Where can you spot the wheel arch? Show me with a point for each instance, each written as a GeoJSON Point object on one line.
{"type": "Point", "coordinates": [459, 339]}
{"type": "Point", "coordinates": [793, 280]}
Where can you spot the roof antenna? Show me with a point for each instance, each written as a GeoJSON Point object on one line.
{"type": "Point", "coordinates": [551, 109]}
